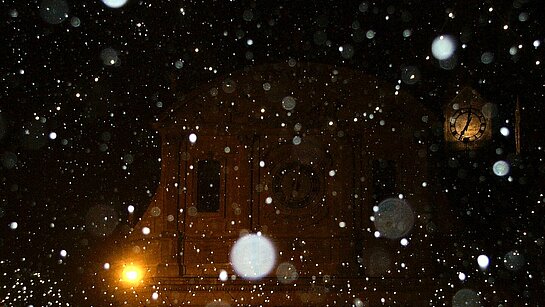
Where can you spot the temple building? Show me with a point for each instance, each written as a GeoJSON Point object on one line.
{"type": "Point", "coordinates": [325, 175]}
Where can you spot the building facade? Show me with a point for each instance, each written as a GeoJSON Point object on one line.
{"type": "Point", "coordinates": [333, 167]}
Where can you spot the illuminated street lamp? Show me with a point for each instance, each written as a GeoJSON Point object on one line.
{"type": "Point", "coordinates": [131, 274]}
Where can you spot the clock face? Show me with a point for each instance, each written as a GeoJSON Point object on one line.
{"type": "Point", "coordinates": [296, 185]}
{"type": "Point", "coordinates": [467, 125]}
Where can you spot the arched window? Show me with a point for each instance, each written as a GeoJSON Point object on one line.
{"type": "Point", "coordinates": [384, 179]}
{"type": "Point", "coordinates": [208, 185]}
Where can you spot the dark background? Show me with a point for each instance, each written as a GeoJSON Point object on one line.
{"type": "Point", "coordinates": [105, 153]}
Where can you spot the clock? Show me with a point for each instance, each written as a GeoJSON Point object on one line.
{"type": "Point", "coordinates": [467, 125]}
{"type": "Point", "coordinates": [296, 185]}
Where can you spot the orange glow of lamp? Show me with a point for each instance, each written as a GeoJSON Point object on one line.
{"type": "Point", "coordinates": [132, 274]}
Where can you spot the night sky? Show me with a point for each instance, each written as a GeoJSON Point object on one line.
{"type": "Point", "coordinates": [82, 83]}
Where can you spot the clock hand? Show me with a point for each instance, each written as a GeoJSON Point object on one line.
{"type": "Point", "coordinates": [466, 126]}
{"type": "Point", "coordinates": [297, 178]}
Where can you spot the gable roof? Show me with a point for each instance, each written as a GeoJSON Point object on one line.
{"type": "Point", "coordinates": [278, 95]}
